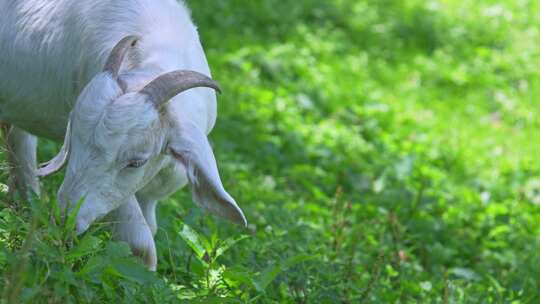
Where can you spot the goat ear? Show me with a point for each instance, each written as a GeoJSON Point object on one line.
{"type": "Point", "coordinates": [56, 164]}
{"type": "Point", "coordinates": [191, 147]}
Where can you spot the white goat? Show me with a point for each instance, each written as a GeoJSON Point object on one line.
{"type": "Point", "coordinates": [129, 139]}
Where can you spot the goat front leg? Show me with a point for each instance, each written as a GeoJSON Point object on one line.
{"type": "Point", "coordinates": [171, 178]}
{"type": "Point", "coordinates": [149, 211]}
{"type": "Point", "coordinates": [21, 149]}
{"type": "Point", "coordinates": [131, 227]}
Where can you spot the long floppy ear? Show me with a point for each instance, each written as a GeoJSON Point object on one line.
{"type": "Point", "coordinates": [191, 147]}
{"type": "Point", "coordinates": [55, 164]}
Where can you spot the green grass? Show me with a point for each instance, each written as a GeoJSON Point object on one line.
{"type": "Point", "coordinates": [382, 151]}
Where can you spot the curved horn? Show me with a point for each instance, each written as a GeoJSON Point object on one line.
{"type": "Point", "coordinates": [116, 57]}
{"type": "Point", "coordinates": [168, 85]}
{"type": "Point", "coordinates": [55, 164]}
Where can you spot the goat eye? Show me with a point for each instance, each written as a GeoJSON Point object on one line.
{"type": "Point", "coordinates": [136, 163]}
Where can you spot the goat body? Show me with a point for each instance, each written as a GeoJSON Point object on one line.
{"type": "Point", "coordinates": [52, 48]}
{"type": "Point", "coordinates": [131, 144]}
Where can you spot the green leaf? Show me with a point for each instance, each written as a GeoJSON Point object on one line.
{"type": "Point", "coordinates": [272, 271]}
{"type": "Point", "coordinates": [72, 216]}
{"type": "Point", "coordinates": [88, 245]}
{"type": "Point", "coordinates": [299, 259]}
{"type": "Point", "coordinates": [266, 277]}
{"type": "Point", "coordinates": [391, 271]}
{"type": "Point", "coordinates": [56, 212]}
{"type": "Point", "coordinates": [465, 273]}
{"type": "Point", "coordinates": [132, 270]}
{"type": "Point", "coordinates": [95, 264]}
{"type": "Point", "coordinates": [116, 250]}
{"type": "Point", "coordinates": [236, 275]}
{"type": "Point", "coordinates": [195, 241]}
{"type": "Point", "coordinates": [227, 244]}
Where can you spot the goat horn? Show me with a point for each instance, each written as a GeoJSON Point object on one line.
{"type": "Point", "coordinates": [168, 85]}
{"type": "Point", "coordinates": [116, 57]}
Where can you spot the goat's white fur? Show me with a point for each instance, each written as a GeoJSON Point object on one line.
{"type": "Point", "coordinates": [52, 52]}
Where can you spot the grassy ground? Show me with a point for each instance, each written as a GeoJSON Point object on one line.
{"type": "Point", "coordinates": [382, 151]}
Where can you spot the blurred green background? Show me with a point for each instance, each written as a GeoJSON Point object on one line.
{"type": "Point", "coordinates": [382, 151]}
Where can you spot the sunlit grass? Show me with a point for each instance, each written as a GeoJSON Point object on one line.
{"type": "Point", "coordinates": [382, 151]}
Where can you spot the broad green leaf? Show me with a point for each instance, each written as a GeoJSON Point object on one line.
{"type": "Point", "coordinates": [266, 277]}
{"type": "Point", "coordinates": [194, 240]}
{"type": "Point", "coordinates": [87, 245]}
{"type": "Point", "coordinates": [130, 269]}
{"type": "Point", "coordinates": [237, 274]}
{"type": "Point", "coordinates": [94, 264]}
{"type": "Point", "coordinates": [116, 250]}
{"type": "Point", "coordinates": [227, 244]}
